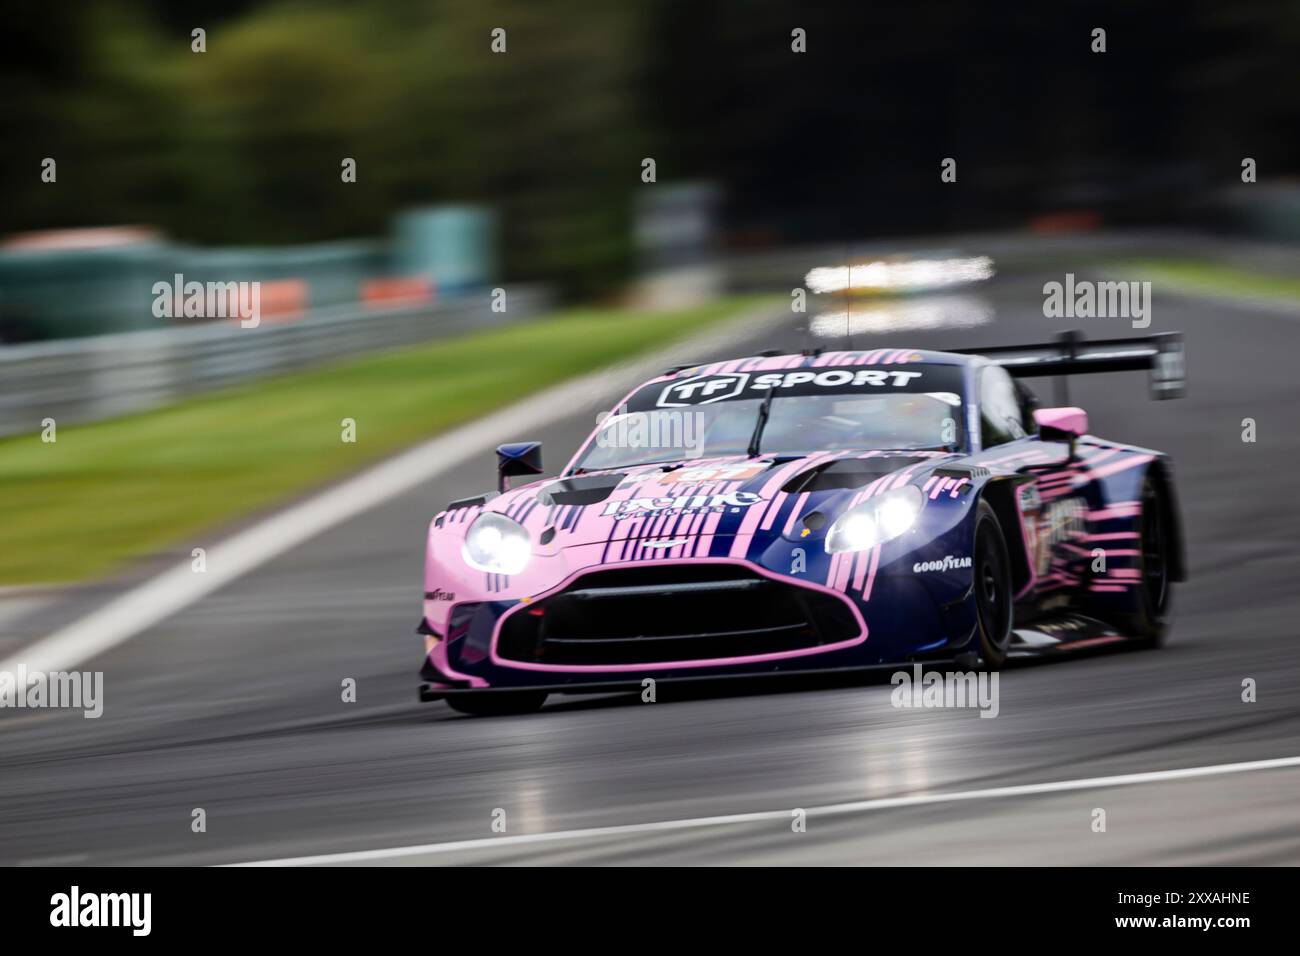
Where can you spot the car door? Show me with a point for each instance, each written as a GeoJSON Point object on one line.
{"type": "Point", "coordinates": [1051, 503]}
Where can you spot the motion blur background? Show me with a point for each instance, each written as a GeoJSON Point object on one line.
{"type": "Point", "coordinates": [241, 145]}
{"type": "Point", "coordinates": [784, 137]}
{"type": "Point", "coordinates": [130, 442]}
{"type": "Point", "coordinates": [149, 142]}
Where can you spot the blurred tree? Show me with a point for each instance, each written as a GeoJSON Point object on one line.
{"type": "Point", "coordinates": [243, 143]}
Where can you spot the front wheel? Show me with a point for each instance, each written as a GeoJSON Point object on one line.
{"type": "Point", "coordinates": [497, 703]}
{"type": "Point", "coordinates": [991, 571]}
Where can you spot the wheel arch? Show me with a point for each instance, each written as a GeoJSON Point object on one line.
{"type": "Point", "coordinates": [1160, 473]}
{"type": "Point", "coordinates": [1000, 493]}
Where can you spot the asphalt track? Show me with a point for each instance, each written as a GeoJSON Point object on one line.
{"type": "Point", "coordinates": [233, 705]}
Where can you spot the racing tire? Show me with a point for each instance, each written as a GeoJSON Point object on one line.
{"type": "Point", "coordinates": [1148, 622]}
{"type": "Point", "coordinates": [991, 582]}
{"type": "Point", "coordinates": [497, 703]}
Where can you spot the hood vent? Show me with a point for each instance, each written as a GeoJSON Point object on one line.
{"type": "Point", "coordinates": [973, 472]}
{"type": "Point", "coordinates": [846, 473]}
{"type": "Point", "coordinates": [582, 490]}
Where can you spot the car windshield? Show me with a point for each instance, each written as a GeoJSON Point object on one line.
{"type": "Point", "coordinates": [809, 411]}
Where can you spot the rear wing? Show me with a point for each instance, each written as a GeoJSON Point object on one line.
{"type": "Point", "coordinates": [1161, 355]}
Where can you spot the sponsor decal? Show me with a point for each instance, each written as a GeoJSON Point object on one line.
{"type": "Point", "coordinates": [947, 563]}
{"type": "Point", "coordinates": [1047, 527]}
{"type": "Point", "coordinates": [705, 389]}
{"type": "Point", "coordinates": [835, 378]}
{"type": "Point", "coordinates": [1070, 624]}
{"type": "Point", "coordinates": [681, 504]}
{"type": "Point", "coordinates": [738, 471]}
{"type": "Point", "coordinates": [1030, 504]}
{"type": "Point", "coordinates": [1169, 371]}
{"type": "Point", "coordinates": [698, 474]}
{"type": "Point", "coordinates": [1059, 522]}
{"type": "Point", "coordinates": [438, 594]}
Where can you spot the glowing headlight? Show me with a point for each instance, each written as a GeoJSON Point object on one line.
{"type": "Point", "coordinates": [875, 521]}
{"type": "Point", "coordinates": [496, 544]}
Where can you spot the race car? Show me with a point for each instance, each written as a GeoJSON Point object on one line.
{"type": "Point", "coordinates": [811, 512]}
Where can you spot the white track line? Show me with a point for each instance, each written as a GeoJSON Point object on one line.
{"type": "Point", "coordinates": [763, 816]}
{"type": "Point", "coordinates": [159, 598]}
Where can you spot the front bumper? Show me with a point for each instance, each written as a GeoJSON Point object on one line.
{"type": "Point", "coordinates": [610, 627]}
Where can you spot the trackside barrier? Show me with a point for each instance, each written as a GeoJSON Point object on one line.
{"type": "Point", "coordinates": [88, 379]}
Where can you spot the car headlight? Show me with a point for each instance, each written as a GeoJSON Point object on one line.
{"type": "Point", "coordinates": [496, 544]}
{"type": "Point", "coordinates": [875, 521]}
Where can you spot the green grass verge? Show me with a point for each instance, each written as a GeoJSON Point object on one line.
{"type": "Point", "coordinates": [112, 491]}
{"type": "Point", "coordinates": [1213, 278]}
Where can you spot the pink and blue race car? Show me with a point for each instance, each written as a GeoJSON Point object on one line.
{"type": "Point", "coordinates": [812, 512]}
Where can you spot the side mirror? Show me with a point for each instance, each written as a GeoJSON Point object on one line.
{"type": "Point", "coordinates": [518, 458]}
{"type": "Point", "coordinates": [1065, 422]}
{"type": "Point", "coordinates": [1061, 424]}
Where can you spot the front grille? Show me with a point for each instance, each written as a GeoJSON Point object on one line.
{"type": "Point", "coordinates": [673, 613]}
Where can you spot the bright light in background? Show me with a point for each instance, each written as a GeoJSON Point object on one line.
{"type": "Point", "coordinates": [904, 275]}
{"type": "Point", "coordinates": [932, 312]}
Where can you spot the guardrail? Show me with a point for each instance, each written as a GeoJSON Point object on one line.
{"type": "Point", "coordinates": [87, 379]}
